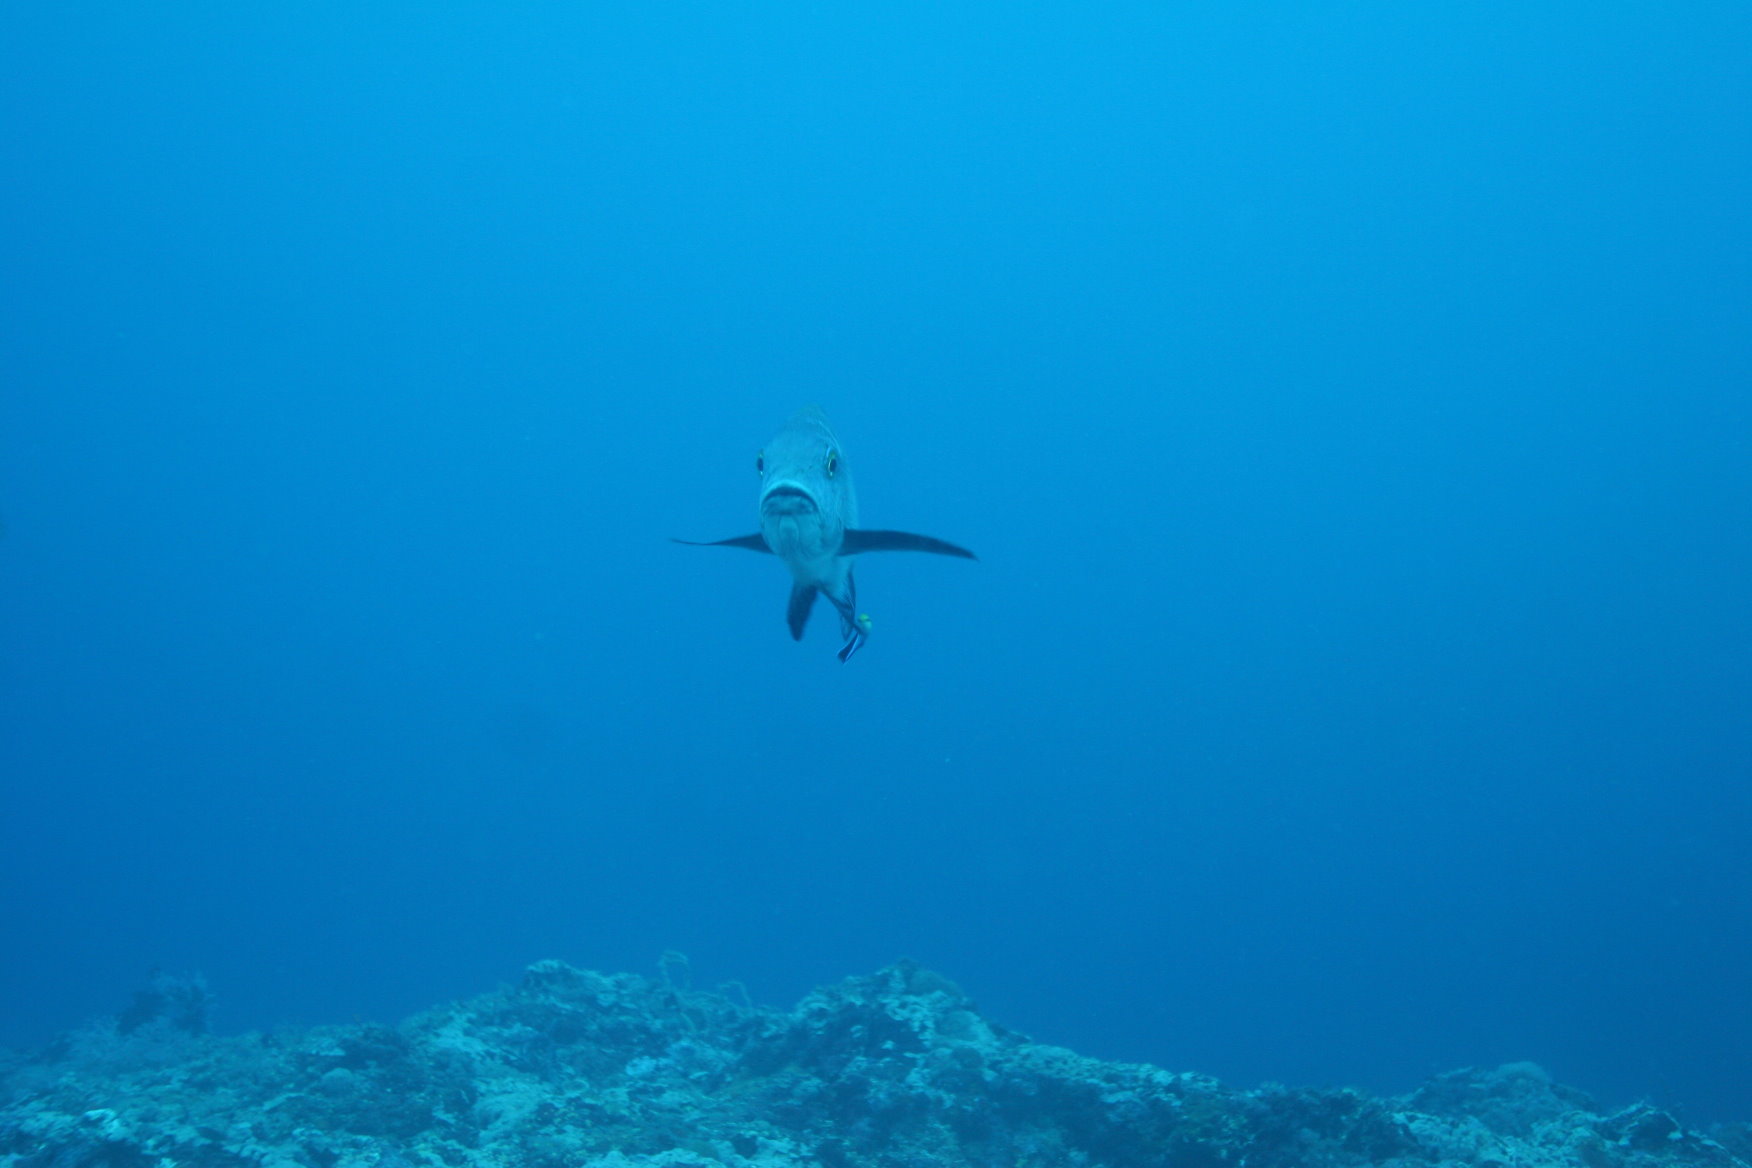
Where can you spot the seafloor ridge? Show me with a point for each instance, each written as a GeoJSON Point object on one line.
{"type": "Point", "coordinates": [571, 1069]}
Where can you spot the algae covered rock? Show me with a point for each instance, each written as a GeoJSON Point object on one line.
{"type": "Point", "coordinates": [899, 1069]}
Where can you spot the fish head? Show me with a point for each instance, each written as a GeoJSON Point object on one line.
{"type": "Point", "coordinates": [806, 496]}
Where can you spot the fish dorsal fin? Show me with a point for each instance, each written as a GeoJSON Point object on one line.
{"type": "Point", "coordinates": [753, 543]}
{"type": "Point", "coordinates": [857, 542]}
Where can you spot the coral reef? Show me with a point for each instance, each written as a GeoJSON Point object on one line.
{"type": "Point", "coordinates": [571, 1069]}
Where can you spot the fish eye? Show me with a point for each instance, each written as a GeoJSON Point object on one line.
{"type": "Point", "coordinates": [832, 462]}
{"type": "Point", "coordinates": [759, 461]}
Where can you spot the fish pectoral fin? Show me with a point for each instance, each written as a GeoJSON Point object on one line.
{"type": "Point", "coordinates": [753, 543]}
{"type": "Point", "coordinates": [797, 612]}
{"type": "Point", "coordinates": [858, 541]}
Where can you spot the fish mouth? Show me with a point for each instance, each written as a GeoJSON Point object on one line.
{"type": "Point", "coordinates": [786, 499]}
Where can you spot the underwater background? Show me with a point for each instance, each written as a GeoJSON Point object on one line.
{"type": "Point", "coordinates": [1351, 406]}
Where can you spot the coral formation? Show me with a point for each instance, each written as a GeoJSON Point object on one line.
{"type": "Point", "coordinates": [571, 1069]}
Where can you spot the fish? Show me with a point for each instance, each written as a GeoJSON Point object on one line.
{"type": "Point", "coordinates": [809, 520]}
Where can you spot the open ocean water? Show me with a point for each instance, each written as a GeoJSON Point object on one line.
{"type": "Point", "coordinates": [1350, 406]}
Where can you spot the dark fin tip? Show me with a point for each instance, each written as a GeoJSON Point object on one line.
{"type": "Point", "coordinates": [753, 543]}
{"type": "Point", "coordinates": [857, 541]}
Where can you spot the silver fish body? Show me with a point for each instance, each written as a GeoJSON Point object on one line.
{"type": "Point", "coordinates": [809, 520]}
{"type": "Point", "coordinates": [807, 500]}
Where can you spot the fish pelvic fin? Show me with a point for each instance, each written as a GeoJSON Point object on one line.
{"type": "Point", "coordinates": [858, 541]}
{"type": "Point", "coordinates": [797, 612]}
{"type": "Point", "coordinates": [854, 625]}
{"type": "Point", "coordinates": [753, 543]}
{"type": "Point", "coordinates": [855, 636]}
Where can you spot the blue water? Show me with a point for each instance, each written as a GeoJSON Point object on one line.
{"type": "Point", "coordinates": [1351, 406]}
